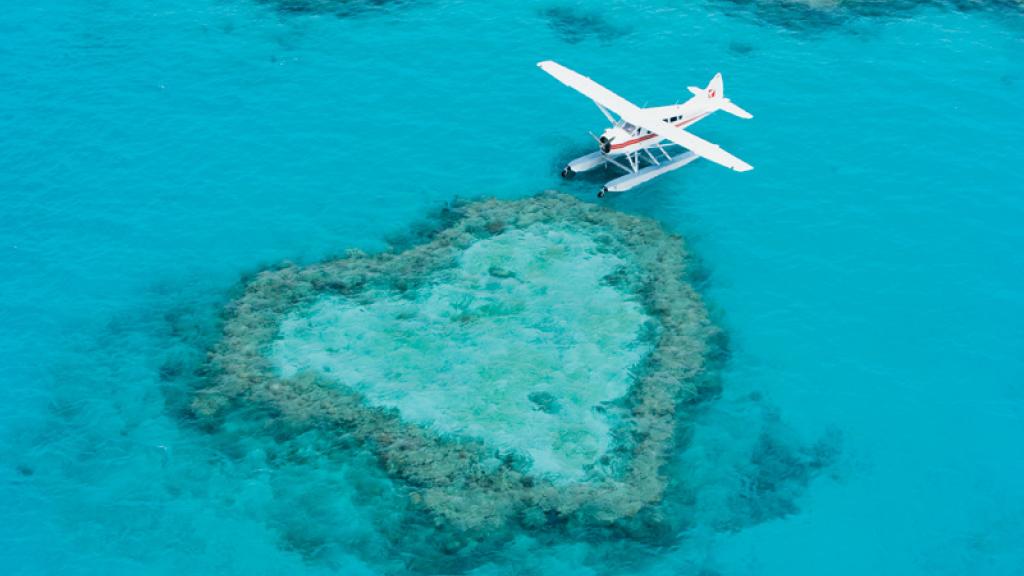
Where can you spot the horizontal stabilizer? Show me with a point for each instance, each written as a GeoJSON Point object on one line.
{"type": "Point", "coordinates": [726, 105]}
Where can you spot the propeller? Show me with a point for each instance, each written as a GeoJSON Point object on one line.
{"type": "Point", "coordinates": [604, 143]}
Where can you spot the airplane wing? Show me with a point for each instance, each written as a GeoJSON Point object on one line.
{"type": "Point", "coordinates": [603, 96]}
{"type": "Point", "coordinates": [639, 117]}
{"type": "Point", "coordinates": [665, 111]}
{"type": "Point", "coordinates": [697, 145]}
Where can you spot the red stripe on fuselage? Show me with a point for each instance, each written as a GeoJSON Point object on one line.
{"type": "Point", "coordinates": [652, 135]}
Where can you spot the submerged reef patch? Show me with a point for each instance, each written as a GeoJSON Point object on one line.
{"type": "Point", "coordinates": [816, 14]}
{"type": "Point", "coordinates": [339, 8]}
{"type": "Point", "coordinates": [574, 25]}
{"type": "Point", "coordinates": [525, 367]}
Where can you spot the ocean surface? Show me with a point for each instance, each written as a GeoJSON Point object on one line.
{"type": "Point", "coordinates": [869, 272]}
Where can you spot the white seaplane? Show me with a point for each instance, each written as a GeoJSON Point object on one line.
{"type": "Point", "coordinates": [633, 140]}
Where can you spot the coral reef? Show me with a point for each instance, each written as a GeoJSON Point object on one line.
{"type": "Point", "coordinates": [574, 25]}
{"type": "Point", "coordinates": [816, 14]}
{"type": "Point", "coordinates": [339, 8]}
{"type": "Point", "coordinates": [527, 366]}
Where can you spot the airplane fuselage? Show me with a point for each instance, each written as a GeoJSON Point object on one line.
{"type": "Point", "coordinates": [624, 138]}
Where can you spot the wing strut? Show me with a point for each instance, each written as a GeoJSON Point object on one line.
{"type": "Point", "coordinates": [605, 112]}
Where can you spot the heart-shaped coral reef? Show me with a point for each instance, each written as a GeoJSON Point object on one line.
{"type": "Point", "coordinates": [527, 365]}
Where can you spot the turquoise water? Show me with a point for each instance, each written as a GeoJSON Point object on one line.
{"type": "Point", "coordinates": [868, 271]}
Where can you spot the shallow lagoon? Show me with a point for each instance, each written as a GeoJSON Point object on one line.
{"type": "Point", "coordinates": [505, 351]}
{"type": "Point", "coordinates": [868, 273]}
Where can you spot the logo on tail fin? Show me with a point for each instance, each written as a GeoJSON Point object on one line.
{"type": "Point", "coordinates": [711, 92]}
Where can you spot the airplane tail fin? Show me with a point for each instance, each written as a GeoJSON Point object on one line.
{"type": "Point", "coordinates": [715, 92]}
